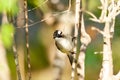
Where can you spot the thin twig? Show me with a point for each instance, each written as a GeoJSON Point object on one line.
{"type": "Point", "coordinates": [98, 30]}
{"type": "Point", "coordinates": [53, 14]}
{"type": "Point", "coordinates": [38, 6]}
{"type": "Point", "coordinates": [94, 18]}
{"type": "Point", "coordinates": [27, 40]}
{"type": "Point", "coordinates": [91, 14]}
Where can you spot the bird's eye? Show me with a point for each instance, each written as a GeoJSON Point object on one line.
{"type": "Point", "coordinates": [59, 32]}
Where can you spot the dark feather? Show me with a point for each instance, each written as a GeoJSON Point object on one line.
{"type": "Point", "coordinates": [70, 58]}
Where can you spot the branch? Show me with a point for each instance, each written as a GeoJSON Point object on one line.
{"type": "Point", "coordinates": [94, 18]}
{"type": "Point", "coordinates": [78, 14]}
{"type": "Point", "coordinates": [27, 39]}
{"type": "Point", "coordinates": [110, 10]}
{"type": "Point", "coordinates": [113, 10]}
{"type": "Point", "coordinates": [107, 16]}
{"type": "Point", "coordinates": [85, 40]}
{"type": "Point", "coordinates": [103, 33]}
{"type": "Point", "coordinates": [98, 30]}
{"type": "Point", "coordinates": [107, 64]}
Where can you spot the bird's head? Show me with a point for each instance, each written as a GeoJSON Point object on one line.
{"type": "Point", "coordinates": [57, 34]}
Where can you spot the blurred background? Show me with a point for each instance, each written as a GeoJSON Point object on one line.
{"type": "Point", "coordinates": [45, 16]}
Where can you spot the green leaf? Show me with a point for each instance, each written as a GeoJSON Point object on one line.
{"type": "Point", "coordinates": [8, 6]}
{"type": "Point", "coordinates": [7, 30]}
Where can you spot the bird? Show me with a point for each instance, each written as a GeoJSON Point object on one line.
{"type": "Point", "coordinates": [64, 43]}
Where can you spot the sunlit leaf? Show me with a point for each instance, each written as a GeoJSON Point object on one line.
{"type": "Point", "coordinates": [7, 31]}
{"type": "Point", "coordinates": [8, 6]}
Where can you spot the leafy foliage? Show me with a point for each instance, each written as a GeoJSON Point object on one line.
{"type": "Point", "coordinates": [7, 30]}
{"type": "Point", "coordinates": [8, 6]}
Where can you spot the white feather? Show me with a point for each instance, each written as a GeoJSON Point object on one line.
{"type": "Point", "coordinates": [65, 44]}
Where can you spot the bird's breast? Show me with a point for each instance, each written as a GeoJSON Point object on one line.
{"type": "Point", "coordinates": [64, 45]}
